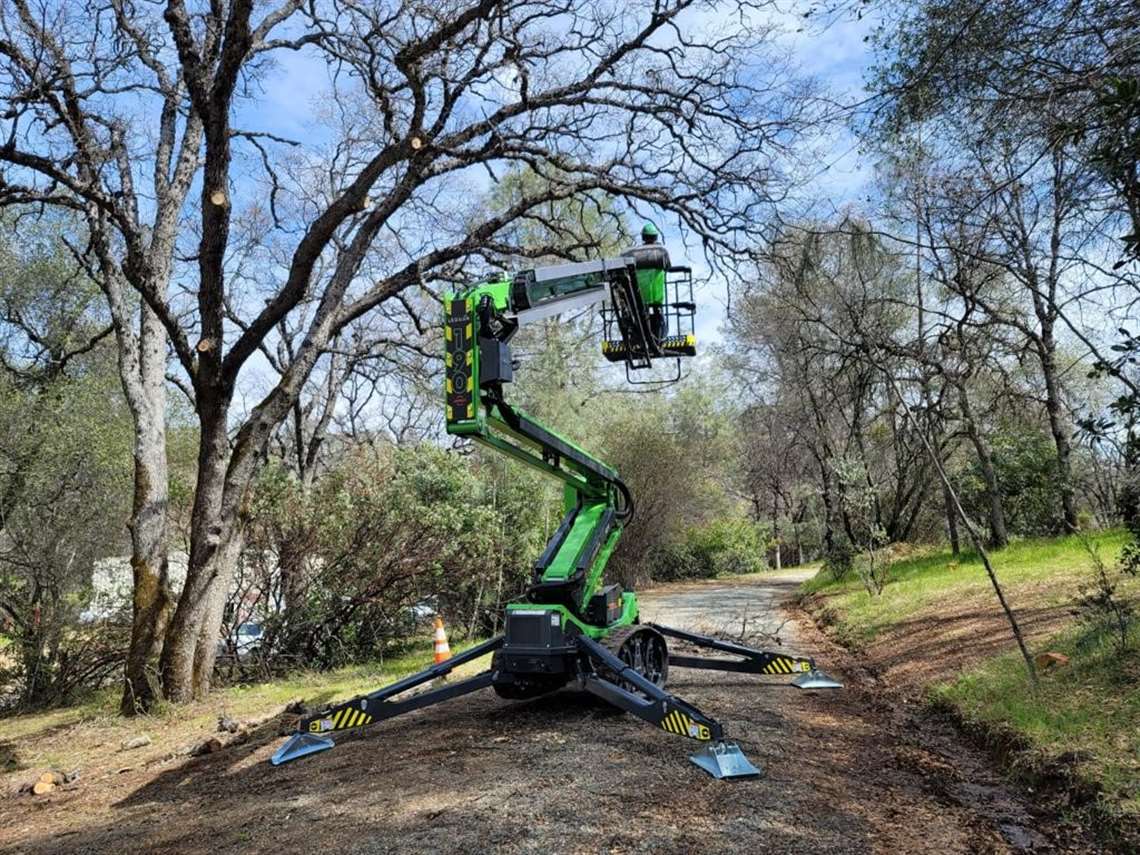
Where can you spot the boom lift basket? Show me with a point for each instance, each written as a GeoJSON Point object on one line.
{"type": "Point", "coordinates": [672, 325]}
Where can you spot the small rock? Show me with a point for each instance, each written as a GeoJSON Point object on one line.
{"type": "Point", "coordinates": [136, 742]}
{"type": "Point", "coordinates": [1049, 660]}
{"type": "Point", "coordinates": [208, 747]}
{"type": "Point", "coordinates": [71, 777]}
{"type": "Point", "coordinates": [295, 707]}
{"type": "Point", "coordinates": [227, 725]}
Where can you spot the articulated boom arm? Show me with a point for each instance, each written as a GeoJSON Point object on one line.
{"type": "Point", "coordinates": [479, 324]}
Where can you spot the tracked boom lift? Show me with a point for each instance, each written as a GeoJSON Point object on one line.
{"type": "Point", "coordinates": [571, 628]}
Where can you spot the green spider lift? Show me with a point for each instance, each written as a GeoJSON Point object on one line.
{"type": "Point", "coordinates": [570, 628]}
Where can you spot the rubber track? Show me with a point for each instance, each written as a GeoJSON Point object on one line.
{"type": "Point", "coordinates": [617, 639]}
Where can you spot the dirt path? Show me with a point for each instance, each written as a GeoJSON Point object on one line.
{"type": "Point", "coordinates": [846, 772]}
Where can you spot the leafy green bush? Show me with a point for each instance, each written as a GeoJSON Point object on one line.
{"type": "Point", "coordinates": [352, 565]}
{"type": "Point", "coordinates": [65, 452]}
{"type": "Point", "coordinates": [722, 547]}
{"type": "Point", "coordinates": [1025, 461]}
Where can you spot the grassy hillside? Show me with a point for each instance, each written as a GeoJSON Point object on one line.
{"type": "Point", "coordinates": [1040, 573]}
{"type": "Point", "coordinates": [1085, 717]}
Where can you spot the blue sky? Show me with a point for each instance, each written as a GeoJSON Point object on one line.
{"type": "Point", "coordinates": [837, 56]}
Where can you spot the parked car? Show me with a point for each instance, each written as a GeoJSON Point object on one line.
{"type": "Point", "coordinates": [243, 643]}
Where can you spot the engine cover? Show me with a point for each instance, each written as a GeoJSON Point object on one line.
{"type": "Point", "coordinates": [536, 643]}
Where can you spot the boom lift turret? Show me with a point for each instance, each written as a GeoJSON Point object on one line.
{"type": "Point", "coordinates": [571, 628]}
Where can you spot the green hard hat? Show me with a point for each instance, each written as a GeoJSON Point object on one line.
{"type": "Point", "coordinates": [649, 230]}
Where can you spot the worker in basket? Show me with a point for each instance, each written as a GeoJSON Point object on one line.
{"type": "Point", "coordinates": [651, 260]}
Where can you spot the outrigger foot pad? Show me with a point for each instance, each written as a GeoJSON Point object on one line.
{"type": "Point", "coordinates": [301, 745]}
{"type": "Point", "coordinates": [816, 679]}
{"type": "Point", "coordinates": [723, 759]}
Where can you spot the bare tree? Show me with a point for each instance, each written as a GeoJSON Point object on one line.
{"type": "Point", "coordinates": [965, 352]}
{"type": "Point", "coordinates": [1061, 71]}
{"type": "Point", "coordinates": [1039, 101]}
{"type": "Point", "coordinates": [777, 465]}
{"type": "Point", "coordinates": [1023, 261]}
{"type": "Point", "coordinates": [66, 146]}
{"type": "Point", "coordinates": [843, 290]}
{"type": "Point", "coordinates": [629, 101]}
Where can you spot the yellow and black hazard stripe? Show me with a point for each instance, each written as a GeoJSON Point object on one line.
{"type": "Point", "coordinates": [682, 725]}
{"type": "Point", "coordinates": [347, 717]}
{"type": "Point", "coordinates": [459, 357]}
{"type": "Point", "coordinates": [786, 665]}
{"type": "Point", "coordinates": [675, 345]}
{"type": "Point", "coordinates": [676, 722]}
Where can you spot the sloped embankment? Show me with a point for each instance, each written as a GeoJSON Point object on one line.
{"type": "Point", "coordinates": [936, 636]}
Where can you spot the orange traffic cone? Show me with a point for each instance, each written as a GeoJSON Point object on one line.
{"type": "Point", "coordinates": [442, 650]}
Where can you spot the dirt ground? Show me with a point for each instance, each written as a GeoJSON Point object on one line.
{"type": "Point", "coordinates": [937, 643]}
{"type": "Point", "coordinates": [847, 771]}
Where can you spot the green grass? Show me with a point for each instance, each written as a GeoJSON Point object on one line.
{"type": "Point", "coordinates": [1087, 713]}
{"type": "Point", "coordinates": [1040, 571]}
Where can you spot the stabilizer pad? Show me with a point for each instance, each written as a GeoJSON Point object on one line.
{"type": "Point", "coordinates": [816, 679]}
{"type": "Point", "coordinates": [301, 745]}
{"type": "Point", "coordinates": [723, 759]}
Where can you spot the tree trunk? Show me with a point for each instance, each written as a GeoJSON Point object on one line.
{"type": "Point", "coordinates": [948, 507]}
{"type": "Point", "coordinates": [498, 600]}
{"type": "Point", "coordinates": [216, 540]}
{"type": "Point", "coordinates": [776, 528]}
{"type": "Point", "coordinates": [152, 600]}
{"type": "Point", "coordinates": [999, 537]}
{"type": "Point", "coordinates": [1059, 428]}
{"type": "Point", "coordinates": [828, 509]}
{"type": "Point", "coordinates": [209, 631]}
{"type": "Point", "coordinates": [475, 611]}
{"type": "Point", "coordinates": [208, 575]}
{"type": "Point", "coordinates": [951, 522]}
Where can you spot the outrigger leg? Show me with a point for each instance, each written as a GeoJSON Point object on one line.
{"type": "Point", "coordinates": [367, 709]}
{"type": "Point", "coordinates": [632, 692]}
{"type": "Point", "coordinates": [751, 661]}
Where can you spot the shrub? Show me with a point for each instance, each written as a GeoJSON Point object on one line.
{"type": "Point", "coordinates": [352, 566]}
{"type": "Point", "coordinates": [839, 559]}
{"type": "Point", "coordinates": [1026, 468]}
{"type": "Point", "coordinates": [721, 547]}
